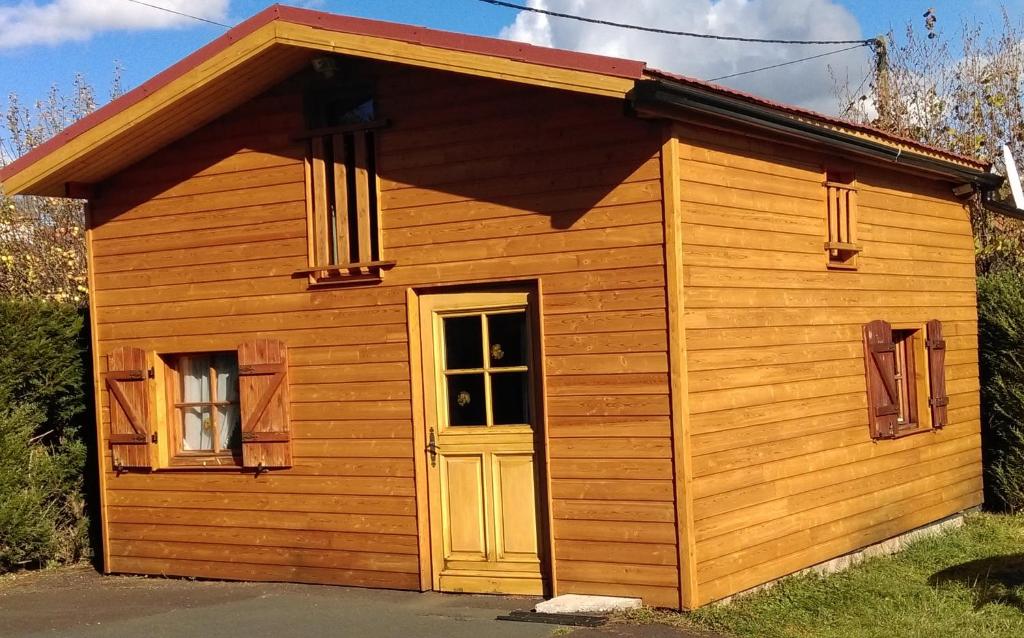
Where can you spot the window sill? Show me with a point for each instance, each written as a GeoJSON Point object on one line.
{"type": "Point", "coordinates": [199, 462]}
{"type": "Point", "coordinates": [905, 434]}
{"type": "Point", "coordinates": [366, 272]}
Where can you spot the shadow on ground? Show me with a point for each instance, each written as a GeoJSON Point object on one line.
{"type": "Point", "coordinates": [997, 579]}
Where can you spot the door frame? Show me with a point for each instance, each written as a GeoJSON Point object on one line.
{"type": "Point", "coordinates": [428, 576]}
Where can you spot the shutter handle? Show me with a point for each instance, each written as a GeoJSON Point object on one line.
{"type": "Point", "coordinates": [432, 448]}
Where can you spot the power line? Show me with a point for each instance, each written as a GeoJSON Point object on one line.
{"type": "Point", "coordinates": [707, 36]}
{"type": "Point", "coordinates": [775, 66]}
{"type": "Point", "coordinates": [179, 13]}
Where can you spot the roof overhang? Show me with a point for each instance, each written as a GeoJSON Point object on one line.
{"type": "Point", "coordinates": [277, 42]}
{"type": "Point", "coordinates": [264, 50]}
{"type": "Point", "coordinates": [675, 99]}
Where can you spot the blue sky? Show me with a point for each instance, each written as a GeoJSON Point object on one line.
{"type": "Point", "coordinates": [29, 68]}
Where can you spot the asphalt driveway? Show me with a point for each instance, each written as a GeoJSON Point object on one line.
{"type": "Point", "coordinates": [79, 602]}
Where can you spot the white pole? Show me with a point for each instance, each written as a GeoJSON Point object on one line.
{"type": "Point", "coordinates": [1013, 177]}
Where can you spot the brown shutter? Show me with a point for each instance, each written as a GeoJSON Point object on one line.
{"type": "Point", "coordinates": [263, 393]}
{"type": "Point", "coordinates": [938, 400]}
{"type": "Point", "coordinates": [131, 442]}
{"type": "Point", "coordinates": [880, 366]}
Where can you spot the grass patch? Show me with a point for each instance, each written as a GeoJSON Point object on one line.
{"type": "Point", "coordinates": [967, 582]}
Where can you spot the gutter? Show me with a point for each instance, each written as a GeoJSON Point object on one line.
{"type": "Point", "coordinates": [989, 202]}
{"type": "Point", "coordinates": [664, 98]}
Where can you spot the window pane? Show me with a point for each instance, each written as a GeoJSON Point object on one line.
{"type": "Point", "coordinates": [463, 343]}
{"type": "Point", "coordinates": [510, 398]}
{"type": "Point", "coordinates": [227, 376]}
{"type": "Point", "coordinates": [198, 429]}
{"type": "Point", "coordinates": [508, 345]}
{"type": "Point", "coordinates": [195, 379]}
{"type": "Point", "coordinates": [230, 432]}
{"type": "Point", "coordinates": [467, 403]}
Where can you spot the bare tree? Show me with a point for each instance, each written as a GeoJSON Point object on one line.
{"type": "Point", "coordinates": [962, 93]}
{"type": "Point", "coordinates": [42, 239]}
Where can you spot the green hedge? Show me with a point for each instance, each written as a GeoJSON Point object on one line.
{"type": "Point", "coordinates": [1001, 346]}
{"type": "Point", "coordinates": [43, 406]}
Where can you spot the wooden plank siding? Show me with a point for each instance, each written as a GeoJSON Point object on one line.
{"type": "Point", "coordinates": [786, 474]}
{"type": "Point", "coordinates": [194, 249]}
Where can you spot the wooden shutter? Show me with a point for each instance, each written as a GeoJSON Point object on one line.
{"type": "Point", "coordinates": [938, 400]}
{"type": "Point", "coordinates": [263, 396]}
{"type": "Point", "coordinates": [130, 438]}
{"type": "Point", "coordinates": [880, 366]}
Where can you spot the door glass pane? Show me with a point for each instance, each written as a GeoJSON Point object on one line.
{"type": "Point", "coordinates": [510, 398]}
{"type": "Point", "coordinates": [467, 404]}
{"type": "Point", "coordinates": [508, 345]}
{"type": "Point", "coordinates": [463, 344]}
{"type": "Point", "coordinates": [198, 429]}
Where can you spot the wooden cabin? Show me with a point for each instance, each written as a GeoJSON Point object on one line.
{"type": "Point", "coordinates": [382, 306]}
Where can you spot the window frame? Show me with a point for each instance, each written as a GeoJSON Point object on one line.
{"type": "Point", "coordinates": [170, 383]}
{"type": "Point", "coordinates": [911, 378]}
{"type": "Point", "coordinates": [487, 369]}
{"type": "Point", "coordinates": [841, 246]}
{"type": "Point", "coordinates": [913, 337]}
{"type": "Point", "coordinates": [334, 236]}
{"type": "Point", "coordinates": [434, 305]}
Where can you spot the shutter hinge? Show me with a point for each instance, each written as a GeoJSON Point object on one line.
{"type": "Point", "coordinates": [151, 373]}
{"type": "Point", "coordinates": [153, 438]}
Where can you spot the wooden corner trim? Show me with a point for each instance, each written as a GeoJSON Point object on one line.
{"type": "Point", "coordinates": [682, 458]}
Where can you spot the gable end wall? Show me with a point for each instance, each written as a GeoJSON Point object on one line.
{"type": "Point", "coordinates": [785, 472]}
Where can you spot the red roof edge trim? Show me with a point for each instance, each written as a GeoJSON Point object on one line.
{"type": "Point", "coordinates": [815, 115]}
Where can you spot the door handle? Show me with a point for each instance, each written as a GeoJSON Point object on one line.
{"type": "Point", "coordinates": [432, 448]}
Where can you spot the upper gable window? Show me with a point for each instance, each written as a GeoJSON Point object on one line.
{"type": "Point", "coordinates": [342, 193]}
{"type": "Point", "coordinates": [841, 245]}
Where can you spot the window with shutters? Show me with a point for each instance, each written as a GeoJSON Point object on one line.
{"type": "Point", "coordinates": [204, 420]}
{"type": "Point", "coordinates": [342, 196]}
{"type": "Point", "coordinates": [905, 368]}
{"type": "Point", "coordinates": [199, 409]}
{"type": "Point", "coordinates": [841, 247]}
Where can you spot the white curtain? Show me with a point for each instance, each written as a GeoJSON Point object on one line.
{"type": "Point", "coordinates": [227, 390]}
{"type": "Point", "coordinates": [195, 375]}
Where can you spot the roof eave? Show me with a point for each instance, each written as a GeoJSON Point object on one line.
{"type": "Point", "coordinates": [44, 171]}
{"type": "Point", "coordinates": [674, 100]}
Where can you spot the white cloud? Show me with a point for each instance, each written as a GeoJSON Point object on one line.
{"type": "Point", "coordinates": [806, 84]}
{"type": "Point", "coordinates": [51, 23]}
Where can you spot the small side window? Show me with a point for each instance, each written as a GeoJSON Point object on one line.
{"type": "Point", "coordinates": [204, 422]}
{"type": "Point", "coordinates": [905, 371]}
{"type": "Point", "coordinates": [841, 247]}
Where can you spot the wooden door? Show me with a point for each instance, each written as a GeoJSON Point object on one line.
{"type": "Point", "coordinates": [483, 448]}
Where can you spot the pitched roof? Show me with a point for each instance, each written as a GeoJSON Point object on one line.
{"type": "Point", "coordinates": [280, 39]}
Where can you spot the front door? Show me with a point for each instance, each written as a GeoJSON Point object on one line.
{"type": "Point", "coordinates": [482, 436]}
